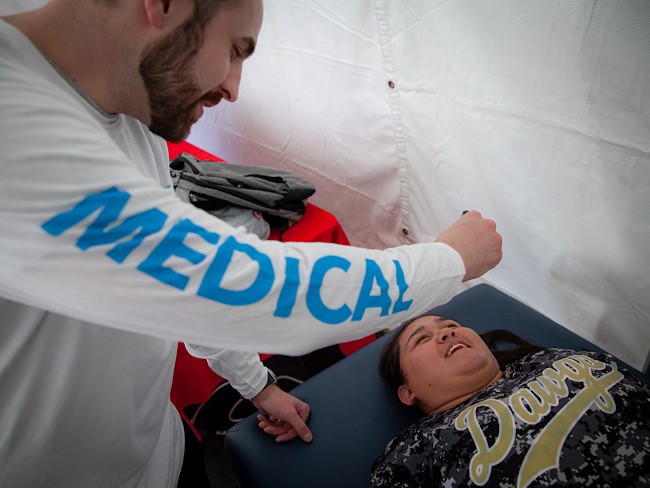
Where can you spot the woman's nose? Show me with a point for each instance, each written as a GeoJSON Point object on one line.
{"type": "Point", "coordinates": [445, 334]}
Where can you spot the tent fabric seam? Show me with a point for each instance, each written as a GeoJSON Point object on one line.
{"type": "Point", "coordinates": [381, 14]}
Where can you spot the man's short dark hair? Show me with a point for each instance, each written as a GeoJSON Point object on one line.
{"type": "Point", "coordinates": [204, 10]}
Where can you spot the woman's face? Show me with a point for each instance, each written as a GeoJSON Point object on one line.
{"type": "Point", "coordinates": [443, 364]}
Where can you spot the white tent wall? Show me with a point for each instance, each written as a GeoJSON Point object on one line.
{"type": "Point", "coordinates": [535, 112]}
{"type": "Point", "coordinates": [315, 101]}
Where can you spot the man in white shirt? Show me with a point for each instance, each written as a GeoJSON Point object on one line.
{"type": "Point", "coordinates": [103, 269]}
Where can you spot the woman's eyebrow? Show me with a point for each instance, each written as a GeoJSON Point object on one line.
{"type": "Point", "coordinates": [417, 330]}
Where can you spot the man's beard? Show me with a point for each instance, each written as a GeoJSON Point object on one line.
{"type": "Point", "coordinates": [166, 70]}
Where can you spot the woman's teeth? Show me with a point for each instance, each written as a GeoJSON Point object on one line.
{"type": "Point", "coordinates": [454, 348]}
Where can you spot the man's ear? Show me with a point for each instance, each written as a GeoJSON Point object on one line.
{"type": "Point", "coordinates": [406, 395]}
{"type": "Point", "coordinates": [156, 11]}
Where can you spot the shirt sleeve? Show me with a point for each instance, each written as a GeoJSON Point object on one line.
{"type": "Point", "coordinates": [87, 235]}
{"type": "Point", "coordinates": [243, 370]}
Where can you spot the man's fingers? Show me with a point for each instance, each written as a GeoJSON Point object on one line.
{"type": "Point", "coordinates": [285, 431]}
{"type": "Point", "coordinates": [287, 436]}
{"type": "Point", "coordinates": [276, 430]}
{"type": "Point", "coordinates": [300, 426]}
{"type": "Point", "coordinates": [477, 241]}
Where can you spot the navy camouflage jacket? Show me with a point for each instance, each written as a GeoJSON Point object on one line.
{"type": "Point", "coordinates": [556, 418]}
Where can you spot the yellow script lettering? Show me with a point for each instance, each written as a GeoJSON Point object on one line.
{"type": "Point", "coordinates": [487, 456]}
{"type": "Point", "coordinates": [532, 403]}
{"type": "Point", "coordinates": [545, 451]}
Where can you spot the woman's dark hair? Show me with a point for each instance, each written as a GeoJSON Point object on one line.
{"type": "Point", "coordinates": [506, 346]}
{"type": "Point", "coordinates": [389, 358]}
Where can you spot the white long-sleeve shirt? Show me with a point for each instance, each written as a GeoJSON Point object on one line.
{"type": "Point", "coordinates": [103, 270]}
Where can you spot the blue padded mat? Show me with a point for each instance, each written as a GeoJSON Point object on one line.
{"type": "Point", "coordinates": [353, 416]}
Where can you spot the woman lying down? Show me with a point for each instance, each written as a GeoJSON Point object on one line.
{"type": "Point", "coordinates": [523, 417]}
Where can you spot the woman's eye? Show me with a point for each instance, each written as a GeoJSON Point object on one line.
{"type": "Point", "coordinates": [420, 339]}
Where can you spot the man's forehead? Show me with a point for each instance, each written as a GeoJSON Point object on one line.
{"type": "Point", "coordinates": [243, 18]}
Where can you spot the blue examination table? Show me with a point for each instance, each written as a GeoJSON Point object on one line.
{"type": "Point", "coordinates": [353, 416]}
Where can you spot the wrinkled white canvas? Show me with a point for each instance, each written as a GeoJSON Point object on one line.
{"type": "Point", "coordinates": [536, 113]}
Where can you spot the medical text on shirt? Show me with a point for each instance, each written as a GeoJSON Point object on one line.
{"type": "Point", "coordinates": [125, 234]}
{"type": "Point", "coordinates": [530, 405]}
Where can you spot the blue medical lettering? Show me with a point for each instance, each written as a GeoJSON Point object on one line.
{"type": "Point", "coordinates": [173, 245]}
{"type": "Point", "coordinates": [111, 202]}
{"type": "Point", "coordinates": [314, 301]}
{"type": "Point", "coordinates": [129, 233]}
{"type": "Point", "coordinates": [211, 285]}
{"type": "Point", "coordinates": [366, 300]}
{"type": "Point", "coordinates": [149, 222]}
{"type": "Point", "coordinates": [400, 304]}
{"type": "Point", "coordinates": [289, 290]}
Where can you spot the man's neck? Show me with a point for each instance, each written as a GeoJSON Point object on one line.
{"type": "Point", "coordinates": [82, 39]}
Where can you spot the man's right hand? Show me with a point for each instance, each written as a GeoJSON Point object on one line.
{"type": "Point", "coordinates": [477, 241]}
{"type": "Point", "coordinates": [283, 415]}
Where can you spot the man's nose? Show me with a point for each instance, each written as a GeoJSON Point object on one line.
{"type": "Point", "coordinates": [230, 86]}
